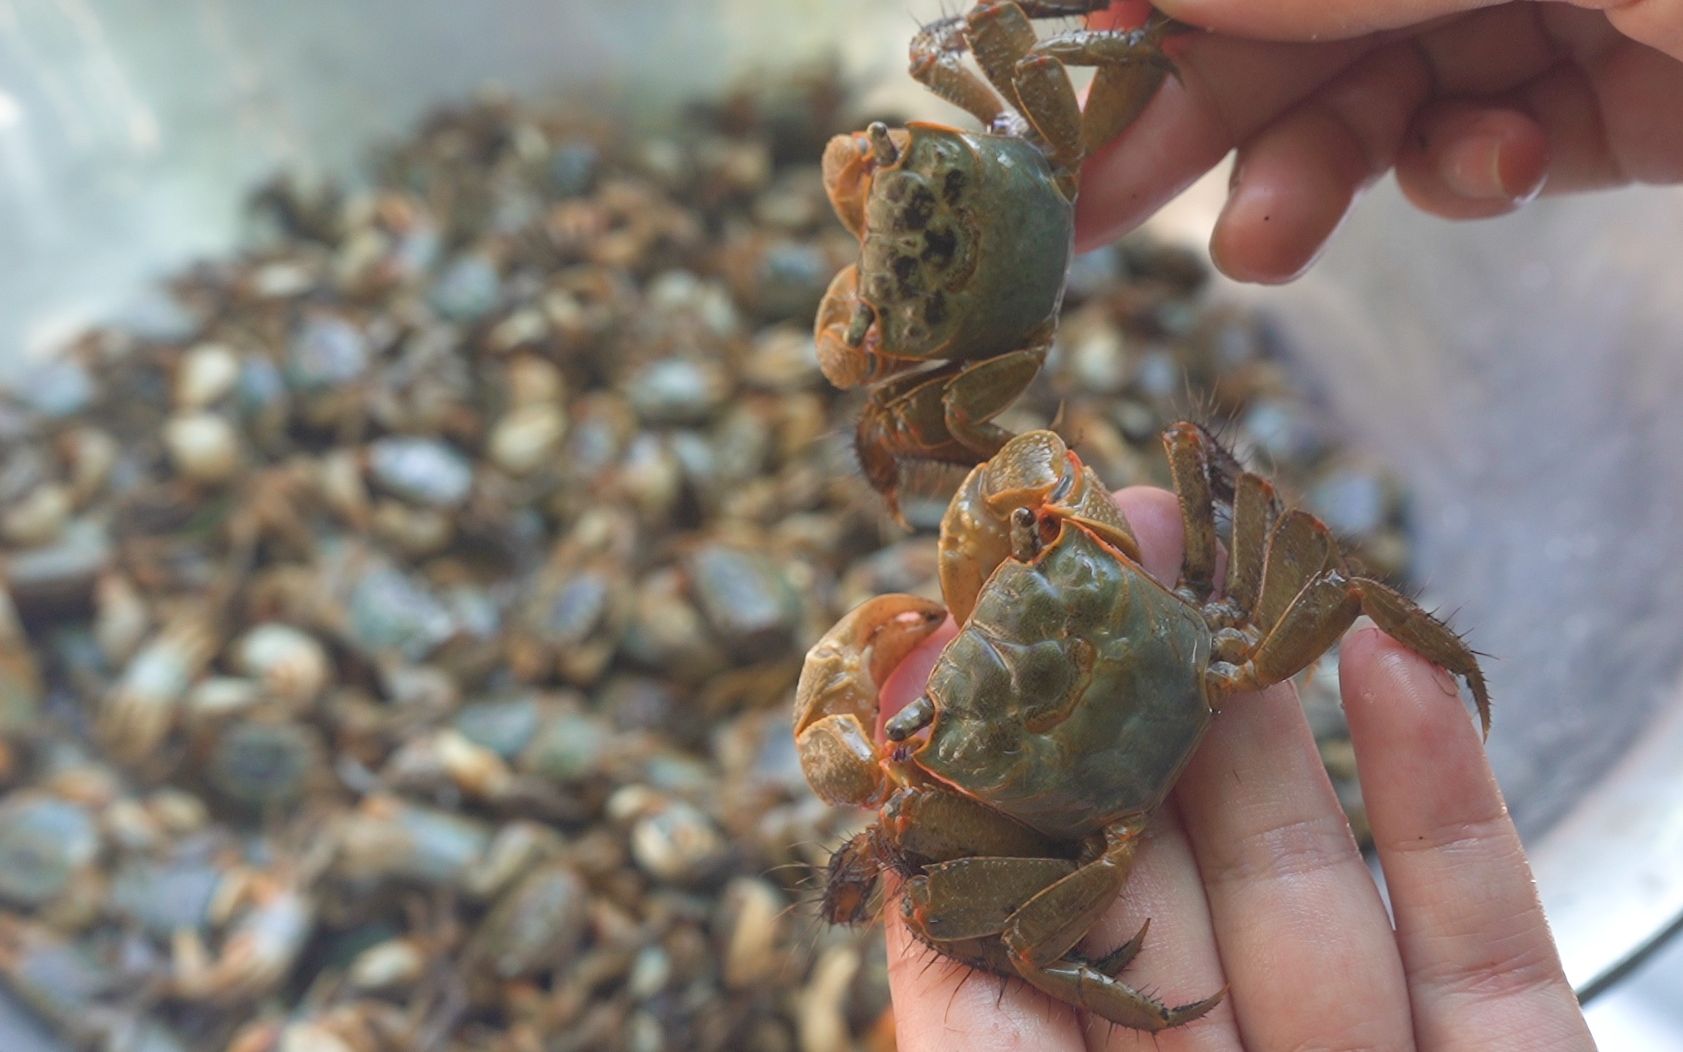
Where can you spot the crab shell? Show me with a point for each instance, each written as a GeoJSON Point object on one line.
{"type": "Point", "coordinates": [1074, 694]}
{"type": "Point", "coordinates": [965, 240]}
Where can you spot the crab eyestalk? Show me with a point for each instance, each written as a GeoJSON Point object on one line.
{"type": "Point", "coordinates": [836, 698]}
{"type": "Point", "coordinates": [1033, 471]}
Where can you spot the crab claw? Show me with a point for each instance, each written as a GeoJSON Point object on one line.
{"type": "Point", "coordinates": [836, 699]}
{"type": "Point", "coordinates": [850, 162]}
{"type": "Point", "coordinates": [846, 343]}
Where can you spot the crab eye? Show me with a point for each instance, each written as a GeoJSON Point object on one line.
{"type": "Point", "coordinates": [1025, 537]}
{"type": "Point", "coordinates": [911, 719]}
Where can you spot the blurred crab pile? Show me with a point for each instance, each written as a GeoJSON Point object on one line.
{"type": "Point", "coordinates": [396, 642]}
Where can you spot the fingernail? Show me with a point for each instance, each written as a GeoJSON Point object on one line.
{"type": "Point", "coordinates": [1471, 166]}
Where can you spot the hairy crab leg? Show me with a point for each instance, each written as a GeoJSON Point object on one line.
{"type": "Point", "coordinates": [937, 54]}
{"type": "Point", "coordinates": [1004, 43]}
{"type": "Point", "coordinates": [1254, 510]}
{"type": "Point", "coordinates": [1050, 104]}
{"type": "Point", "coordinates": [1010, 915]}
{"type": "Point", "coordinates": [1185, 445]}
{"type": "Point", "coordinates": [1324, 610]}
{"type": "Point", "coordinates": [941, 415]}
{"type": "Point", "coordinates": [1131, 67]}
{"type": "Point", "coordinates": [1299, 548]}
{"type": "Point", "coordinates": [1306, 597]}
{"type": "Point", "coordinates": [1000, 35]}
{"type": "Point", "coordinates": [935, 824]}
{"type": "Point", "coordinates": [982, 390]}
{"type": "Point", "coordinates": [969, 898]}
{"type": "Point", "coordinates": [1041, 935]}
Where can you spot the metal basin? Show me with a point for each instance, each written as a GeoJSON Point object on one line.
{"type": "Point", "coordinates": [1521, 374]}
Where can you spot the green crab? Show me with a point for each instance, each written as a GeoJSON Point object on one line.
{"type": "Point", "coordinates": [1013, 793]}
{"type": "Point", "coordinates": [965, 237]}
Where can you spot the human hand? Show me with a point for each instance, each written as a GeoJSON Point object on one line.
{"type": "Point", "coordinates": [1251, 879]}
{"type": "Point", "coordinates": [1477, 107]}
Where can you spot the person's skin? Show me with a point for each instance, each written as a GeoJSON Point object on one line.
{"type": "Point", "coordinates": [1252, 880]}
{"type": "Point", "coordinates": [1250, 876]}
{"type": "Point", "coordinates": [1477, 106]}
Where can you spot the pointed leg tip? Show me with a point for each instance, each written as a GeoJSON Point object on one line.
{"type": "Point", "coordinates": [1115, 961]}
{"type": "Point", "coordinates": [1183, 1014]}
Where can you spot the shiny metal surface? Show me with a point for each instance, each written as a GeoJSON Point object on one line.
{"type": "Point", "coordinates": [1523, 374]}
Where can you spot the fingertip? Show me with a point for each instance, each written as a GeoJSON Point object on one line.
{"type": "Point", "coordinates": [1269, 233]}
{"type": "Point", "coordinates": [1154, 516]}
{"type": "Point", "coordinates": [1292, 187]}
{"type": "Point", "coordinates": [1464, 161]}
{"type": "Point", "coordinates": [1394, 696]}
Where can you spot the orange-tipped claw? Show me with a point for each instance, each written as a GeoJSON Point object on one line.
{"type": "Point", "coordinates": [836, 698]}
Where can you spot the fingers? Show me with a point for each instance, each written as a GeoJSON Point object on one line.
{"type": "Point", "coordinates": [1316, 19]}
{"type": "Point", "coordinates": [1227, 91]}
{"type": "Point", "coordinates": [1481, 966]}
{"type": "Point", "coordinates": [1478, 114]}
{"type": "Point", "coordinates": [1294, 181]}
{"type": "Point", "coordinates": [1655, 23]}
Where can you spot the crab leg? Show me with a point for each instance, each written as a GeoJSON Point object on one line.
{"type": "Point", "coordinates": [1253, 518]}
{"type": "Point", "coordinates": [1324, 609]}
{"type": "Point", "coordinates": [937, 54]}
{"type": "Point", "coordinates": [1186, 445]}
{"type": "Point", "coordinates": [1004, 44]}
{"type": "Point", "coordinates": [999, 35]}
{"type": "Point", "coordinates": [1299, 548]}
{"type": "Point", "coordinates": [935, 824]}
{"type": "Point", "coordinates": [969, 898]}
{"type": "Point", "coordinates": [1048, 101]}
{"type": "Point", "coordinates": [1040, 936]}
{"type": "Point", "coordinates": [1131, 67]}
{"type": "Point", "coordinates": [982, 390]}
{"type": "Point", "coordinates": [941, 414]}
{"type": "Point", "coordinates": [1022, 915]}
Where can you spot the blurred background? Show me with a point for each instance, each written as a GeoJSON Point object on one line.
{"type": "Point", "coordinates": [1515, 376]}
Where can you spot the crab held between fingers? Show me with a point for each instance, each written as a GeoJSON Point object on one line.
{"type": "Point", "coordinates": [1012, 795]}
{"type": "Point", "coordinates": [965, 237]}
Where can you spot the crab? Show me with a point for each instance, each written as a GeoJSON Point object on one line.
{"type": "Point", "coordinates": [965, 237]}
{"type": "Point", "coordinates": [1012, 795]}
